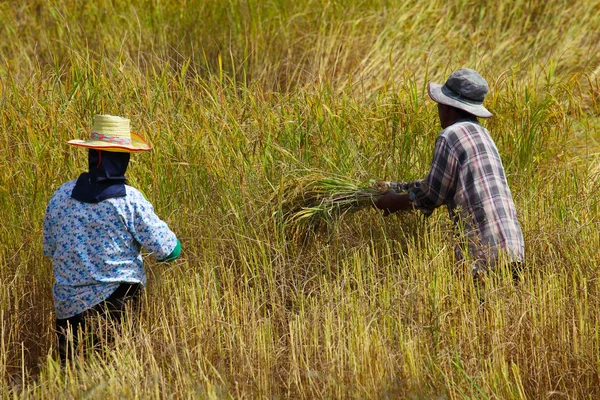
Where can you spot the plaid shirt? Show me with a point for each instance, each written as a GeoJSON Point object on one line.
{"type": "Point", "coordinates": [468, 177]}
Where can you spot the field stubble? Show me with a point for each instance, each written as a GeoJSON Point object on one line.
{"type": "Point", "coordinates": [374, 308]}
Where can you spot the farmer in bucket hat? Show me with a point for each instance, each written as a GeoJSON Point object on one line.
{"type": "Point", "coordinates": [94, 229]}
{"type": "Point", "coordinates": [467, 176]}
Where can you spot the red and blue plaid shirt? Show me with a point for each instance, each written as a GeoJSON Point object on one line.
{"type": "Point", "coordinates": [468, 177]}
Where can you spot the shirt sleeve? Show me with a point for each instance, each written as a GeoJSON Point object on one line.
{"type": "Point", "coordinates": [49, 241]}
{"type": "Point", "coordinates": [439, 185]}
{"type": "Point", "coordinates": [403, 187]}
{"type": "Point", "coordinates": [150, 231]}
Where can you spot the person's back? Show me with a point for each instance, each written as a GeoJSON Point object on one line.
{"type": "Point", "coordinates": [96, 246]}
{"type": "Point", "coordinates": [481, 204]}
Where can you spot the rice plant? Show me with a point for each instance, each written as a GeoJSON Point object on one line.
{"type": "Point", "coordinates": [237, 95]}
{"type": "Point", "coordinates": [314, 200]}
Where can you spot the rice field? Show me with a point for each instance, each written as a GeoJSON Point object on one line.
{"type": "Point", "coordinates": [246, 102]}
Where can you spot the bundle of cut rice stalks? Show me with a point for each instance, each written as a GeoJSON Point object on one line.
{"type": "Point", "coordinates": [312, 201]}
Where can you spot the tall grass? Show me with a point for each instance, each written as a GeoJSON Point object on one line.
{"type": "Point", "coordinates": [236, 95]}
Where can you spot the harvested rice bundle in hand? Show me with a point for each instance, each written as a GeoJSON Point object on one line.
{"type": "Point", "coordinates": [311, 201]}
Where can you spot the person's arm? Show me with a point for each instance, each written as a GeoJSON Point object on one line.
{"type": "Point", "coordinates": [439, 186]}
{"type": "Point", "coordinates": [174, 254]}
{"type": "Point", "coordinates": [152, 232]}
{"type": "Point", "coordinates": [49, 242]}
{"type": "Point", "coordinates": [392, 202]}
{"type": "Point", "coordinates": [402, 187]}
{"type": "Point", "coordinates": [426, 194]}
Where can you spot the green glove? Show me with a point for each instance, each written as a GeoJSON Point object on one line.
{"type": "Point", "coordinates": [174, 254]}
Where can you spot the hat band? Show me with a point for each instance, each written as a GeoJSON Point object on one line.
{"type": "Point", "coordinates": [457, 96]}
{"type": "Point", "coordinates": [111, 139]}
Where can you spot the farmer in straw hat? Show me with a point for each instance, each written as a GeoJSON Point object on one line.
{"type": "Point", "coordinates": [94, 229]}
{"type": "Point", "coordinates": [467, 176]}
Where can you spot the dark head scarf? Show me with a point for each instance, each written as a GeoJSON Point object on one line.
{"type": "Point", "coordinates": [105, 179]}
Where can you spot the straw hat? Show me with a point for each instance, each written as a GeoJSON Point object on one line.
{"type": "Point", "coordinates": [464, 89]}
{"type": "Point", "coordinates": [111, 133]}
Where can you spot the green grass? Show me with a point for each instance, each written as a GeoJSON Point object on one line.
{"type": "Point", "coordinates": [239, 97]}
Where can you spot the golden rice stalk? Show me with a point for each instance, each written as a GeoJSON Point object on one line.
{"type": "Point", "coordinates": [313, 200]}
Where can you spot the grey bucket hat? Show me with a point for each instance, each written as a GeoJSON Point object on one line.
{"type": "Point", "coordinates": [464, 89]}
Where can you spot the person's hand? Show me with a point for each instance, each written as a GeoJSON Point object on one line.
{"type": "Point", "coordinates": [382, 186]}
{"type": "Point", "coordinates": [392, 202]}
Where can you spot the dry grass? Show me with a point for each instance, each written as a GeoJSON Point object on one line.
{"type": "Point", "coordinates": [238, 96]}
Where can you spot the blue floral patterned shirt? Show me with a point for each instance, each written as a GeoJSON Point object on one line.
{"type": "Point", "coordinates": [96, 247]}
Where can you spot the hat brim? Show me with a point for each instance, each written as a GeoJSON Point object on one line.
{"type": "Point", "coordinates": [138, 144]}
{"type": "Point", "coordinates": [437, 94]}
